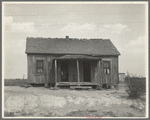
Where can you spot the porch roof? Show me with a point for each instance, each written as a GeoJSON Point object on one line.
{"type": "Point", "coordinates": [64, 57]}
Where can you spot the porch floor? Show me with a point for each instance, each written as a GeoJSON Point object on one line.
{"type": "Point", "coordinates": [80, 87]}
{"type": "Point", "coordinates": [76, 83]}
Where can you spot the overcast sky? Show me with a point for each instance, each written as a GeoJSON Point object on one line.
{"type": "Point", "coordinates": [124, 24]}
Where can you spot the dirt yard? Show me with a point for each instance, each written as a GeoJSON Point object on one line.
{"type": "Point", "coordinates": [43, 102]}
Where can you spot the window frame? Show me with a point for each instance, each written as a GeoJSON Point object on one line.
{"type": "Point", "coordinates": [39, 67]}
{"type": "Point", "coordinates": [105, 69]}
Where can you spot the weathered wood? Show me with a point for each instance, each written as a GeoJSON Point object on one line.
{"type": "Point", "coordinates": [75, 83]}
{"type": "Point", "coordinates": [99, 72]}
{"type": "Point", "coordinates": [97, 75]}
{"type": "Point", "coordinates": [80, 87]}
{"type": "Point", "coordinates": [112, 71]}
{"type": "Point", "coordinates": [40, 79]}
{"type": "Point", "coordinates": [78, 72]}
{"type": "Point", "coordinates": [116, 74]}
{"type": "Point", "coordinates": [107, 77]}
{"type": "Point", "coordinates": [46, 70]}
{"type": "Point", "coordinates": [55, 72]}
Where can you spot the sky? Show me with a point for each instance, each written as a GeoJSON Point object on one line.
{"type": "Point", "coordinates": [126, 25]}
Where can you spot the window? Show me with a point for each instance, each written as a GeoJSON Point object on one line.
{"type": "Point", "coordinates": [40, 66]}
{"type": "Point", "coordinates": [106, 67]}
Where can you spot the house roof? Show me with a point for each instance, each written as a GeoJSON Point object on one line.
{"type": "Point", "coordinates": [70, 46]}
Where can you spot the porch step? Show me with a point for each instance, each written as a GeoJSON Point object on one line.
{"type": "Point", "coordinates": [80, 87]}
{"type": "Point", "coordinates": [75, 83]}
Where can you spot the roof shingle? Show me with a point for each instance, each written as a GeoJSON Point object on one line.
{"type": "Point", "coordinates": [70, 46]}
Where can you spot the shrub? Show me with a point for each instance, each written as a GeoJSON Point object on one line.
{"type": "Point", "coordinates": [15, 82]}
{"type": "Point", "coordinates": [136, 85]}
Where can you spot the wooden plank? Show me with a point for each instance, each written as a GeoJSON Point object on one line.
{"type": "Point", "coordinates": [40, 79]}
{"type": "Point", "coordinates": [116, 74]}
{"type": "Point", "coordinates": [31, 69]}
{"type": "Point", "coordinates": [76, 83]}
{"type": "Point", "coordinates": [78, 72]}
{"type": "Point", "coordinates": [107, 77]}
{"type": "Point", "coordinates": [55, 72]}
{"type": "Point", "coordinates": [99, 73]}
{"type": "Point", "coordinates": [46, 69]}
{"type": "Point", "coordinates": [80, 87]}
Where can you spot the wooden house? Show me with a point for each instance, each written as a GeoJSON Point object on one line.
{"type": "Point", "coordinates": [68, 61]}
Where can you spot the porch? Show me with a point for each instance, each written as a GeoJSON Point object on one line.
{"type": "Point", "coordinates": [77, 70]}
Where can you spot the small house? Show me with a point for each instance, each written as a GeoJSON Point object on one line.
{"type": "Point", "coordinates": [70, 61]}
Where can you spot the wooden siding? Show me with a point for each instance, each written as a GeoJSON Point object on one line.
{"type": "Point", "coordinates": [97, 72]}
{"type": "Point", "coordinates": [40, 79]}
{"type": "Point", "coordinates": [100, 72]}
{"type": "Point", "coordinates": [46, 76]}
{"type": "Point", "coordinates": [113, 77]}
{"type": "Point", "coordinates": [116, 68]}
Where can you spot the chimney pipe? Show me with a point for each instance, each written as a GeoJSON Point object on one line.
{"type": "Point", "coordinates": [67, 37]}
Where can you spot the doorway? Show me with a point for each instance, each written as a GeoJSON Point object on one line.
{"type": "Point", "coordinates": [87, 71]}
{"type": "Point", "coordinates": [64, 71]}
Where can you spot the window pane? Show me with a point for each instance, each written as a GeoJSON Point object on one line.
{"type": "Point", "coordinates": [105, 64]}
{"type": "Point", "coordinates": [39, 66]}
{"type": "Point", "coordinates": [107, 71]}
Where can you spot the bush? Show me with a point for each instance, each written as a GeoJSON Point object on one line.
{"type": "Point", "coordinates": [136, 85]}
{"type": "Point", "coordinates": [15, 82]}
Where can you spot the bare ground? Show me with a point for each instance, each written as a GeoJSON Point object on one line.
{"type": "Point", "coordinates": [43, 102]}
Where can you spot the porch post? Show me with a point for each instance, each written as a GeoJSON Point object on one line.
{"type": "Point", "coordinates": [78, 71]}
{"type": "Point", "coordinates": [99, 64]}
{"type": "Point", "coordinates": [55, 73]}
{"type": "Point", "coordinates": [47, 75]}
{"type": "Point", "coordinates": [100, 75]}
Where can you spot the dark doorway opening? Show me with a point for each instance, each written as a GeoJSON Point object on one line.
{"type": "Point", "coordinates": [87, 71]}
{"type": "Point", "coordinates": [64, 71]}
